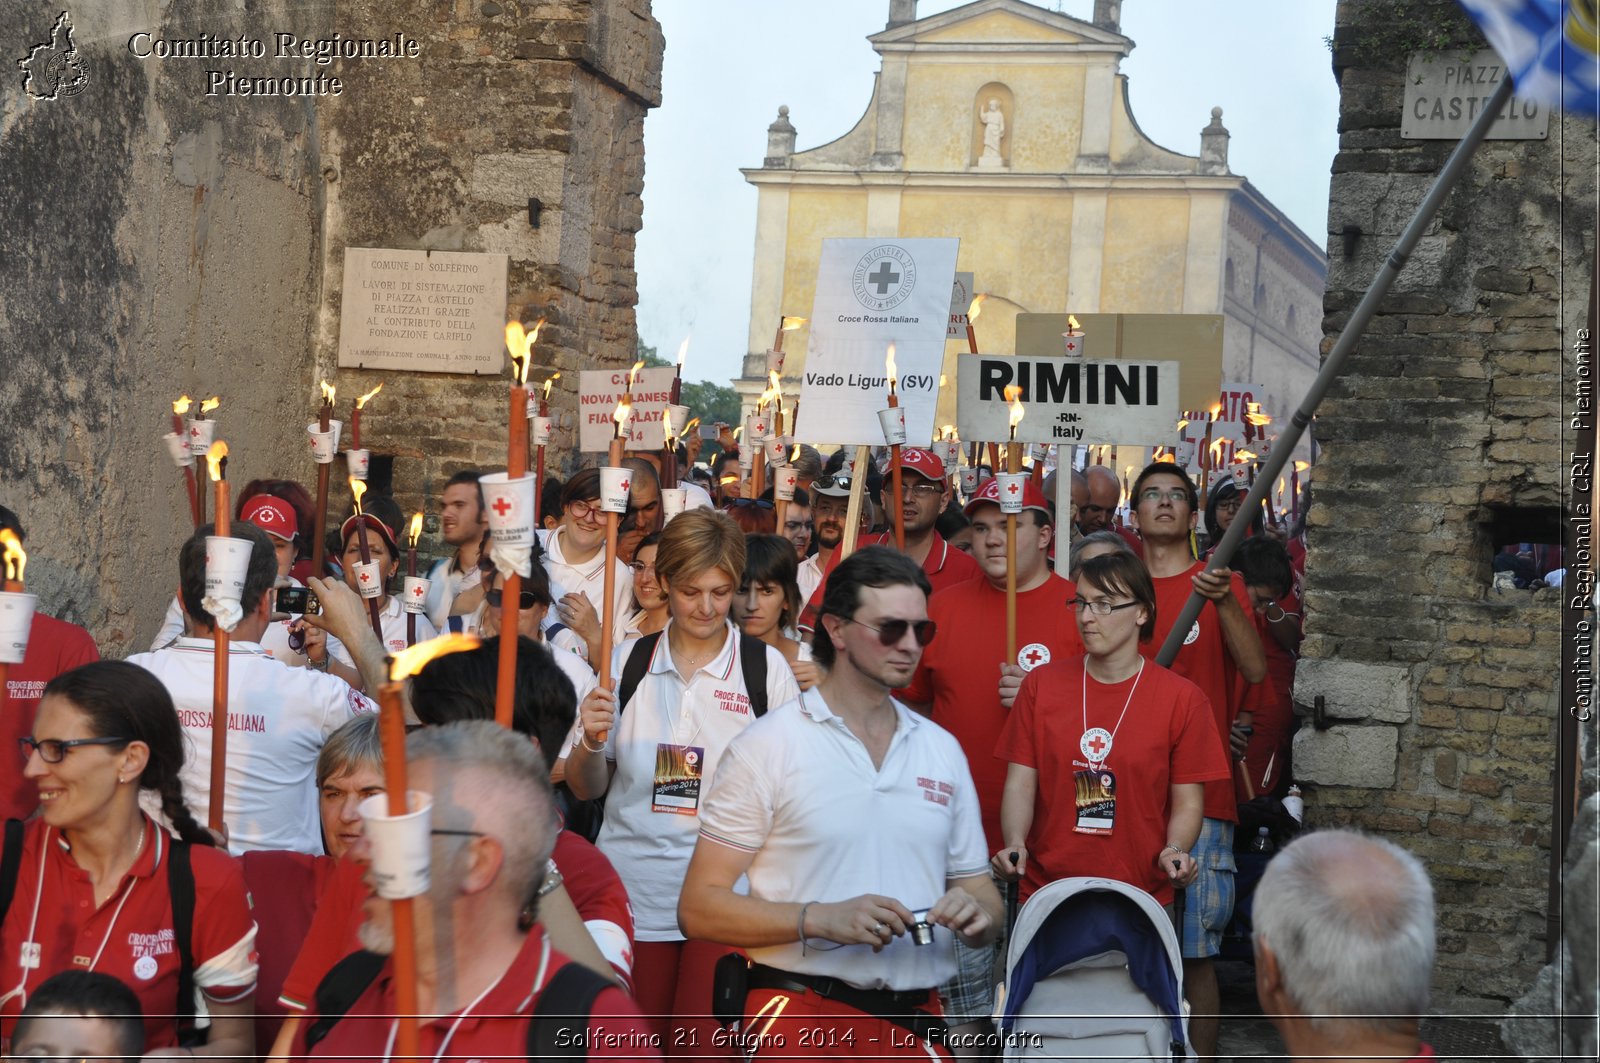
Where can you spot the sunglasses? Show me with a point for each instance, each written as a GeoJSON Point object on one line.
{"type": "Point", "coordinates": [890, 632]}
{"type": "Point", "coordinates": [746, 503]}
{"type": "Point", "coordinates": [494, 597]}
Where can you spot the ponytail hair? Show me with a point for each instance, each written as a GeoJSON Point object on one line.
{"type": "Point", "coordinates": [125, 701]}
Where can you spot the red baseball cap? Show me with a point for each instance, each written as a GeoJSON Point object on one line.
{"type": "Point", "coordinates": [384, 531]}
{"type": "Point", "coordinates": [922, 462]}
{"type": "Point", "coordinates": [273, 516]}
{"type": "Point", "coordinates": [989, 494]}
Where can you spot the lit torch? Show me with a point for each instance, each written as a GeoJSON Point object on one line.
{"type": "Point", "coordinates": [16, 611]}
{"type": "Point", "coordinates": [974, 309]}
{"type": "Point", "coordinates": [1294, 489]}
{"type": "Point", "coordinates": [608, 610]}
{"type": "Point", "coordinates": [355, 418]}
{"type": "Point", "coordinates": [1072, 339]}
{"type": "Point", "coordinates": [181, 450]}
{"type": "Point", "coordinates": [324, 423]}
{"type": "Point", "coordinates": [897, 500]}
{"type": "Point", "coordinates": [358, 490]}
{"type": "Point", "coordinates": [1013, 395]}
{"type": "Point", "coordinates": [217, 466]}
{"type": "Point", "coordinates": [788, 324]}
{"type": "Point", "coordinates": [412, 535]}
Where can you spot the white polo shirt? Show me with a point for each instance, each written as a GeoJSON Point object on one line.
{"type": "Point", "coordinates": [275, 640]}
{"type": "Point", "coordinates": [589, 580]}
{"type": "Point", "coordinates": [392, 618]}
{"type": "Point", "coordinates": [445, 584]}
{"type": "Point", "coordinates": [651, 849]}
{"type": "Point", "coordinates": [798, 789]}
{"type": "Point", "coordinates": [808, 577]}
{"type": "Point", "coordinates": [278, 718]}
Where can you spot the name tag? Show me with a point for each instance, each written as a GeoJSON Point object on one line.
{"type": "Point", "coordinates": [677, 785]}
{"type": "Point", "coordinates": [1097, 801]}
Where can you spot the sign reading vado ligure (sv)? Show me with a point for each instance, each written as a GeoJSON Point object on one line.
{"type": "Point", "coordinates": [1068, 400]}
{"type": "Point", "coordinates": [871, 293]}
{"type": "Point", "coordinates": [425, 311]}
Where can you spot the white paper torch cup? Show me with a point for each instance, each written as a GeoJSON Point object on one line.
{"type": "Point", "coordinates": [323, 444]}
{"type": "Point", "coordinates": [16, 619]}
{"type": "Point", "coordinates": [783, 484]}
{"type": "Point", "coordinates": [508, 504]}
{"type": "Point", "coordinates": [401, 845]}
{"type": "Point", "coordinates": [678, 418]}
{"type": "Point", "coordinates": [414, 596]}
{"type": "Point", "coordinates": [178, 447]}
{"type": "Point", "coordinates": [358, 461]}
{"type": "Point", "coordinates": [201, 435]}
{"type": "Point", "coordinates": [614, 485]}
{"type": "Point", "coordinates": [227, 561]}
{"type": "Point", "coordinates": [893, 422]}
{"type": "Point", "coordinates": [969, 481]}
{"type": "Point", "coordinates": [369, 579]}
{"type": "Point", "coordinates": [948, 454]}
{"type": "Point", "coordinates": [756, 429]}
{"type": "Point", "coordinates": [777, 451]}
{"type": "Point", "coordinates": [1241, 477]}
{"type": "Point", "coordinates": [1184, 453]}
{"type": "Point", "coordinates": [1011, 488]}
{"type": "Point", "coordinates": [674, 500]}
{"type": "Point", "coordinates": [774, 362]}
{"type": "Point", "coordinates": [541, 431]}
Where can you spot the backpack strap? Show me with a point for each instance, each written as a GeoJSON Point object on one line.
{"type": "Point", "coordinates": [753, 662]}
{"type": "Point", "coordinates": [180, 886]}
{"type": "Point", "coordinates": [634, 668]}
{"type": "Point", "coordinates": [10, 865]}
{"type": "Point", "coordinates": [561, 1014]}
{"type": "Point", "coordinates": [339, 990]}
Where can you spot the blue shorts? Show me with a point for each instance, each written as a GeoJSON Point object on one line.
{"type": "Point", "coordinates": [1208, 902]}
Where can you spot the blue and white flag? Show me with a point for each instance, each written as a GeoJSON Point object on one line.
{"type": "Point", "coordinates": [1552, 48]}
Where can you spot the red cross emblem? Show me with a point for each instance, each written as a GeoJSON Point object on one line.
{"type": "Point", "coordinates": [418, 591]}
{"type": "Point", "coordinates": [194, 430]}
{"type": "Point", "coordinates": [1097, 744]}
{"type": "Point", "coordinates": [1072, 346]}
{"type": "Point", "coordinates": [623, 486]}
{"type": "Point", "coordinates": [502, 506]}
{"type": "Point", "coordinates": [1033, 656]}
{"type": "Point", "coordinates": [1012, 488]}
{"type": "Point", "coordinates": [366, 577]}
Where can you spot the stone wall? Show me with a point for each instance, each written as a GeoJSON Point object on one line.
{"type": "Point", "coordinates": [164, 241]}
{"type": "Point", "coordinates": [1439, 691]}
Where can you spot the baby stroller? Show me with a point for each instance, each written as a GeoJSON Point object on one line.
{"type": "Point", "coordinates": [1093, 970]}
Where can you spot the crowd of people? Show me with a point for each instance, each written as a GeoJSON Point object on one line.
{"type": "Point", "coordinates": [784, 827]}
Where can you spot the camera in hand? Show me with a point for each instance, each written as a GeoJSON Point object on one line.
{"type": "Point", "coordinates": [921, 930]}
{"type": "Point", "coordinates": [294, 600]}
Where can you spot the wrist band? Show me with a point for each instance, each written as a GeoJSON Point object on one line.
{"type": "Point", "coordinates": [801, 926]}
{"type": "Point", "coordinates": [583, 740]}
{"type": "Point", "coordinates": [1173, 848]}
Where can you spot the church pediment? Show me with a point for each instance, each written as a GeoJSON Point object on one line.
{"type": "Point", "coordinates": [1007, 22]}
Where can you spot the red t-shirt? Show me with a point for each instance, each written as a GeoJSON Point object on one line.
{"type": "Point", "coordinates": [54, 646]}
{"type": "Point", "coordinates": [960, 670]}
{"type": "Point", "coordinates": [1166, 737]}
{"type": "Point", "coordinates": [286, 888]}
{"type": "Point", "coordinates": [130, 936]}
{"type": "Point", "coordinates": [1204, 660]}
{"type": "Point", "coordinates": [593, 884]}
{"type": "Point", "coordinates": [493, 1027]}
{"type": "Point", "coordinates": [1271, 705]}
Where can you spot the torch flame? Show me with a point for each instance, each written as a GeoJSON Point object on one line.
{"type": "Point", "coordinates": [1215, 450]}
{"type": "Point", "coordinates": [621, 414]}
{"type": "Point", "coordinates": [1301, 466]}
{"type": "Point", "coordinates": [357, 489]}
{"type": "Point", "coordinates": [362, 401]}
{"type": "Point", "coordinates": [1216, 411]}
{"type": "Point", "coordinates": [1072, 322]}
{"type": "Point", "coordinates": [683, 349]}
{"type": "Point", "coordinates": [1243, 457]}
{"type": "Point", "coordinates": [889, 367]}
{"type": "Point", "coordinates": [214, 458]}
{"type": "Point", "coordinates": [794, 455]}
{"type": "Point", "coordinates": [975, 307]}
{"type": "Point", "coordinates": [1014, 397]}
{"type": "Point", "coordinates": [792, 323]}
{"type": "Point", "coordinates": [16, 559]}
{"type": "Point", "coordinates": [415, 531]}
{"type": "Point", "coordinates": [1280, 492]}
{"type": "Point", "coordinates": [553, 378]}
{"type": "Point", "coordinates": [411, 660]}
{"type": "Point", "coordinates": [633, 374]}
{"type": "Point", "coordinates": [209, 404]}
{"type": "Point", "coordinates": [328, 391]}
{"type": "Point", "coordinates": [182, 405]}
{"type": "Point", "coordinates": [948, 432]}
{"type": "Point", "coordinates": [1182, 425]}
{"type": "Point", "coordinates": [694, 422]}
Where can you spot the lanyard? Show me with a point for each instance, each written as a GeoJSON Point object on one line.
{"type": "Point", "coordinates": [1096, 744]}
{"type": "Point", "coordinates": [444, 1045]}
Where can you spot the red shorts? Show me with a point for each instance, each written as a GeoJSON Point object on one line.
{"type": "Point", "coordinates": [784, 1025]}
{"type": "Point", "coordinates": [672, 985]}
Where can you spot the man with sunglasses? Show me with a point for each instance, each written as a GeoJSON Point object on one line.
{"type": "Point", "coordinates": [966, 684]}
{"type": "Point", "coordinates": [1220, 654]}
{"type": "Point", "coordinates": [849, 930]}
{"type": "Point", "coordinates": [924, 492]}
{"type": "Point", "coordinates": [830, 505]}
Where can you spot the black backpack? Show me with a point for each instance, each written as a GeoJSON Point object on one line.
{"type": "Point", "coordinates": [585, 817]}
{"type": "Point", "coordinates": [180, 886]}
{"type": "Point", "coordinates": [557, 1028]}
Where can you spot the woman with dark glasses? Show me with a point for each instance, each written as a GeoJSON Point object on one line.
{"type": "Point", "coordinates": [93, 889]}
{"type": "Point", "coordinates": [1108, 752]}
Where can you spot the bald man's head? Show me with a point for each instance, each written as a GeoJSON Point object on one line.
{"type": "Point", "coordinates": [1103, 490]}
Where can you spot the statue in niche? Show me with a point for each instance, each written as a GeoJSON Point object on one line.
{"type": "Point", "coordinates": [994, 127]}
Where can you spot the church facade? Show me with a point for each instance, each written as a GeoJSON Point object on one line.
{"type": "Point", "coordinates": [1008, 126]}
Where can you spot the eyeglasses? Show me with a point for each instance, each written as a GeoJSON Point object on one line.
{"type": "Point", "coordinates": [494, 596]}
{"type": "Point", "coordinates": [921, 491]}
{"type": "Point", "coordinates": [1100, 608]}
{"type": "Point", "coordinates": [640, 568]}
{"type": "Point", "coordinates": [583, 510]}
{"type": "Point", "coordinates": [1156, 494]}
{"type": "Point", "coordinates": [442, 832]}
{"type": "Point", "coordinates": [890, 632]}
{"type": "Point", "coordinates": [54, 750]}
{"type": "Point", "coordinates": [1230, 504]}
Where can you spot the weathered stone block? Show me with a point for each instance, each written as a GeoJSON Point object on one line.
{"type": "Point", "coordinates": [1347, 756]}
{"type": "Point", "coordinates": [1356, 691]}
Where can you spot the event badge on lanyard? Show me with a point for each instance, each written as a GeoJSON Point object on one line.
{"type": "Point", "coordinates": [1096, 788]}
{"type": "Point", "coordinates": [677, 786]}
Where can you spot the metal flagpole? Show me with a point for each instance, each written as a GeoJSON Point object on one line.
{"type": "Point", "coordinates": [1283, 449]}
